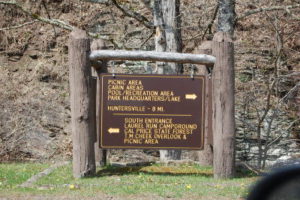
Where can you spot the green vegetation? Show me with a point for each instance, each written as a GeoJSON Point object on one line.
{"type": "Point", "coordinates": [11, 175]}
{"type": "Point", "coordinates": [185, 181]}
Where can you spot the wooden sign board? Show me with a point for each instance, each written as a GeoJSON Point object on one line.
{"type": "Point", "coordinates": [152, 111]}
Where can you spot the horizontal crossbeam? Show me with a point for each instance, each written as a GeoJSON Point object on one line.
{"type": "Point", "coordinates": [152, 56]}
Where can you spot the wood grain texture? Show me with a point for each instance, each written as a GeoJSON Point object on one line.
{"type": "Point", "coordinates": [223, 106]}
{"type": "Point", "coordinates": [205, 156]}
{"type": "Point", "coordinates": [152, 56]}
{"type": "Point", "coordinates": [99, 66]}
{"type": "Point", "coordinates": [82, 105]}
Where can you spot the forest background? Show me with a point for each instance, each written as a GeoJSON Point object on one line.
{"type": "Point", "coordinates": [34, 97]}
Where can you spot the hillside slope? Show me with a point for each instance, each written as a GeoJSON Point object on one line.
{"type": "Point", "coordinates": [34, 93]}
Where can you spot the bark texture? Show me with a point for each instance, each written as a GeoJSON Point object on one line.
{"type": "Point", "coordinates": [82, 105]}
{"type": "Point", "coordinates": [168, 33]}
{"type": "Point", "coordinates": [223, 106]}
{"type": "Point", "coordinates": [226, 18]}
{"type": "Point", "coordinates": [223, 92]}
{"type": "Point", "coordinates": [168, 38]}
{"type": "Point", "coordinates": [205, 156]}
{"type": "Point", "coordinates": [152, 56]}
{"type": "Point", "coordinates": [99, 66]}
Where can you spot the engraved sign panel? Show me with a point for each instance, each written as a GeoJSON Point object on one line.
{"type": "Point", "coordinates": [152, 111]}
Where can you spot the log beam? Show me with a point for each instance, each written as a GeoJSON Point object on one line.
{"type": "Point", "coordinates": [152, 56]}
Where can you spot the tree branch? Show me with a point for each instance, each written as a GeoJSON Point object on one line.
{"type": "Point", "coordinates": [294, 16]}
{"type": "Point", "coordinates": [134, 15]}
{"type": "Point", "coordinates": [56, 22]}
{"type": "Point", "coordinates": [140, 18]}
{"type": "Point", "coordinates": [147, 4]}
{"type": "Point", "coordinates": [49, 16]}
{"type": "Point", "coordinates": [98, 1]}
{"type": "Point", "coordinates": [18, 26]}
{"type": "Point", "coordinates": [148, 38]}
{"type": "Point", "coordinates": [290, 93]}
{"type": "Point", "coordinates": [259, 10]}
{"type": "Point", "coordinates": [209, 26]}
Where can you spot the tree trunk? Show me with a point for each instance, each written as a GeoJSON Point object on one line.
{"type": "Point", "coordinates": [223, 106]}
{"type": "Point", "coordinates": [205, 156]}
{"type": "Point", "coordinates": [226, 18]}
{"type": "Point", "coordinates": [168, 38]}
{"type": "Point", "coordinates": [82, 110]}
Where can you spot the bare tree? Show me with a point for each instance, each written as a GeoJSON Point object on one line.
{"type": "Point", "coordinates": [226, 21]}
{"type": "Point", "coordinates": [168, 38]}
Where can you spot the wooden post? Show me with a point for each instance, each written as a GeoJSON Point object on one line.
{"type": "Point", "coordinates": [82, 110]}
{"type": "Point", "coordinates": [94, 102]}
{"type": "Point", "coordinates": [223, 106]}
{"type": "Point", "coordinates": [205, 156]}
{"type": "Point", "coordinates": [98, 68]}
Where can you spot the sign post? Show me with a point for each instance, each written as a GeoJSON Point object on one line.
{"type": "Point", "coordinates": [152, 111]}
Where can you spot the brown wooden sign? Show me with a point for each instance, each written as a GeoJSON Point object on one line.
{"type": "Point", "coordinates": [152, 111]}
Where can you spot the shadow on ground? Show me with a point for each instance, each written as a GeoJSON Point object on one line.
{"type": "Point", "coordinates": [149, 168]}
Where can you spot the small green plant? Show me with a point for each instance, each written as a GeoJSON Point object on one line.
{"type": "Point", "coordinates": [184, 181]}
{"type": "Point", "coordinates": [13, 174]}
{"type": "Point", "coordinates": [244, 78]}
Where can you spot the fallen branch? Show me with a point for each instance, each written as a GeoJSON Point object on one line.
{"type": "Point", "coordinates": [18, 26]}
{"type": "Point", "coordinates": [148, 38]}
{"type": "Point", "coordinates": [294, 16]}
{"type": "Point", "coordinates": [36, 177]}
{"type": "Point", "coordinates": [49, 16]}
{"type": "Point", "coordinates": [98, 1]}
{"type": "Point", "coordinates": [147, 4]}
{"type": "Point", "coordinates": [55, 22]}
{"type": "Point", "coordinates": [290, 93]}
{"type": "Point", "coordinates": [142, 19]}
{"type": "Point", "coordinates": [209, 26]}
{"type": "Point", "coordinates": [294, 74]}
{"type": "Point", "coordinates": [37, 17]}
{"type": "Point", "coordinates": [259, 10]}
{"type": "Point", "coordinates": [252, 169]}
